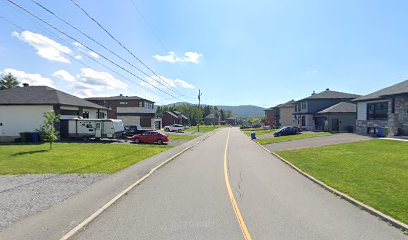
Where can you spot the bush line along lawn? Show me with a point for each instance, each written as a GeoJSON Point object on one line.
{"type": "Point", "coordinates": [292, 137]}
{"type": "Point", "coordinates": [374, 172]}
{"type": "Point", "coordinates": [180, 137]}
{"type": "Point", "coordinates": [73, 157]}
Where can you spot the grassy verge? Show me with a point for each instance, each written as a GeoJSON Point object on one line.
{"type": "Point", "coordinates": [73, 157]}
{"type": "Point", "coordinates": [374, 172]}
{"type": "Point", "coordinates": [180, 137]}
{"type": "Point", "coordinates": [203, 128]}
{"type": "Point", "coordinates": [292, 137]}
{"type": "Point", "coordinates": [261, 132]}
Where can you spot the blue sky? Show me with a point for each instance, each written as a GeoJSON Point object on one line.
{"type": "Point", "coordinates": [237, 52]}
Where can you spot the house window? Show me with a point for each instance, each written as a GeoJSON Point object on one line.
{"type": "Point", "coordinates": [101, 115]}
{"type": "Point", "coordinates": [377, 111]}
{"type": "Point", "coordinates": [123, 103]}
{"type": "Point", "coordinates": [303, 105]}
{"type": "Point", "coordinates": [85, 115]}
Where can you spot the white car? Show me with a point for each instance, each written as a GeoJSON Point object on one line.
{"type": "Point", "coordinates": [174, 128]}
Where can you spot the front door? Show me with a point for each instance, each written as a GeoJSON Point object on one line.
{"type": "Point", "coordinates": [335, 124]}
{"type": "Point", "coordinates": [98, 130]}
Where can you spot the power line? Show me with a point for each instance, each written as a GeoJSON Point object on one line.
{"type": "Point", "coordinates": [73, 58]}
{"type": "Point", "coordinates": [74, 39]}
{"type": "Point", "coordinates": [122, 45]}
{"type": "Point", "coordinates": [95, 41]}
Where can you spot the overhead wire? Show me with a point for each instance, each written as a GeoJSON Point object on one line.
{"type": "Point", "coordinates": [90, 49]}
{"type": "Point", "coordinates": [123, 46]}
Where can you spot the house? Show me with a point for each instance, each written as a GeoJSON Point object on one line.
{"type": "Point", "coordinates": [280, 115]}
{"type": "Point", "coordinates": [212, 119]}
{"type": "Point", "coordinates": [231, 121]}
{"type": "Point", "coordinates": [272, 116]}
{"type": "Point", "coordinates": [132, 110]}
{"type": "Point", "coordinates": [386, 108]}
{"type": "Point", "coordinates": [340, 117]}
{"type": "Point", "coordinates": [22, 109]}
{"type": "Point", "coordinates": [307, 109]}
{"type": "Point", "coordinates": [174, 117]}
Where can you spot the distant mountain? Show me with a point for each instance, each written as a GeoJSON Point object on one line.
{"type": "Point", "coordinates": [243, 111]}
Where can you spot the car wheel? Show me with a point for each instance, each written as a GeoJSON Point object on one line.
{"type": "Point", "coordinates": [167, 129]}
{"type": "Point", "coordinates": [179, 130]}
{"type": "Point", "coordinates": [137, 140]}
{"type": "Point", "coordinates": [86, 138]}
{"type": "Point", "coordinates": [160, 142]}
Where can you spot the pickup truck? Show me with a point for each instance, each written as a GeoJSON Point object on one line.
{"type": "Point", "coordinates": [134, 129]}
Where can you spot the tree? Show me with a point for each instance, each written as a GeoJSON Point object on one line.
{"type": "Point", "coordinates": [47, 131]}
{"type": "Point", "coordinates": [8, 81]}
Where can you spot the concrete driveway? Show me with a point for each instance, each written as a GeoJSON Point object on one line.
{"type": "Point", "coordinates": [316, 141]}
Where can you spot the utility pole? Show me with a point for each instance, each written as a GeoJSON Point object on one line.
{"type": "Point", "coordinates": [199, 108]}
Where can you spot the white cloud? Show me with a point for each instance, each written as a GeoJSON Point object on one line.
{"type": "Point", "coordinates": [64, 75]}
{"type": "Point", "coordinates": [192, 57]}
{"type": "Point", "coordinates": [89, 82]}
{"type": "Point", "coordinates": [93, 54]}
{"type": "Point", "coordinates": [77, 44]}
{"type": "Point", "coordinates": [78, 57]}
{"type": "Point", "coordinates": [46, 47]}
{"type": "Point", "coordinates": [33, 79]}
{"type": "Point", "coordinates": [163, 82]}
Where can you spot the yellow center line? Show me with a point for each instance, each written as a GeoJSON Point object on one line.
{"type": "Point", "coordinates": [231, 195]}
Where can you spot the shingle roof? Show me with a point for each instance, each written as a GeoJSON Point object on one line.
{"type": "Point", "coordinates": [118, 98]}
{"type": "Point", "coordinates": [396, 89]}
{"type": "Point", "coordinates": [211, 115]}
{"type": "Point", "coordinates": [329, 94]}
{"type": "Point", "coordinates": [42, 95]}
{"type": "Point", "coordinates": [342, 107]}
{"type": "Point", "coordinates": [286, 104]}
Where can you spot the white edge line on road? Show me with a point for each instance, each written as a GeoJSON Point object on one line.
{"type": "Point", "coordinates": [394, 222]}
{"type": "Point", "coordinates": [89, 219]}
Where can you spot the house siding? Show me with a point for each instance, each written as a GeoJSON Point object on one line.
{"type": "Point", "coordinates": [286, 116]}
{"type": "Point", "coordinates": [347, 122]}
{"type": "Point", "coordinates": [20, 118]}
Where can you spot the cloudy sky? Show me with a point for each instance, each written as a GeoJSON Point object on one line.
{"type": "Point", "coordinates": [236, 52]}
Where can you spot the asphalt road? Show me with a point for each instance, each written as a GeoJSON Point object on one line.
{"type": "Point", "coordinates": [188, 199]}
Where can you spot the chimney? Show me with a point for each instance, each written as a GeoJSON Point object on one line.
{"type": "Point", "coordinates": [313, 93]}
{"type": "Point", "coordinates": [327, 89]}
{"type": "Point", "coordinates": [121, 95]}
{"type": "Point", "coordinates": [26, 84]}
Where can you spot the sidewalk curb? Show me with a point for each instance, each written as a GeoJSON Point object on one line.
{"type": "Point", "coordinates": [395, 223]}
{"type": "Point", "coordinates": [93, 216]}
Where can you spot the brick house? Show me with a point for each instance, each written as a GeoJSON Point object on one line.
{"type": "Point", "coordinates": [132, 110]}
{"type": "Point", "coordinates": [174, 117]}
{"type": "Point", "coordinates": [386, 108]}
{"type": "Point", "coordinates": [280, 115]}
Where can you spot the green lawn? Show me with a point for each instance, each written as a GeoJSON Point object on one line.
{"type": "Point", "coordinates": [73, 157]}
{"type": "Point", "coordinates": [203, 128]}
{"type": "Point", "coordinates": [261, 132]}
{"type": "Point", "coordinates": [374, 172]}
{"type": "Point", "coordinates": [292, 137]}
{"type": "Point", "coordinates": [180, 137]}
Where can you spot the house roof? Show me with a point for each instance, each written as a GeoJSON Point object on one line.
{"type": "Point", "coordinates": [120, 97]}
{"type": "Point", "coordinates": [329, 94]}
{"type": "Point", "coordinates": [42, 95]}
{"type": "Point", "coordinates": [175, 114]}
{"type": "Point", "coordinates": [342, 107]}
{"type": "Point", "coordinates": [282, 105]}
{"type": "Point", "coordinates": [396, 89]}
{"type": "Point", "coordinates": [209, 116]}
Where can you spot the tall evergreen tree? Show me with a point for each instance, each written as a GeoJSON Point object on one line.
{"type": "Point", "coordinates": [8, 81]}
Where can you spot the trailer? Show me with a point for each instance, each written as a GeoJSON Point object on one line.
{"type": "Point", "coordinates": [94, 128]}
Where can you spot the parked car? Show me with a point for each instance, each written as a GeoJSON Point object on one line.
{"type": "Point", "coordinates": [287, 131]}
{"type": "Point", "coordinates": [134, 129]}
{"type": "Point", "coordinates": [174, 128]}
{"type": "Point", "coordinates": [150, 137]}
{"type": "Point", "coordinates": [244, 127]}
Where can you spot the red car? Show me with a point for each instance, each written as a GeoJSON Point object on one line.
{"type": "Point", "coordinates": [150, 137]}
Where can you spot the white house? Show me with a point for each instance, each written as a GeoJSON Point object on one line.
{"type": "Point", "coordinates": [22, 109]}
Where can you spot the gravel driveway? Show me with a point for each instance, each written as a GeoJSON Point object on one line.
{"type": "Point", "coordinates": [24, 195]}
{"type": "Point", "coordinates": [316, 141]}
